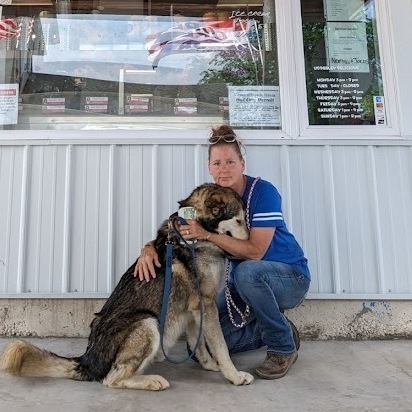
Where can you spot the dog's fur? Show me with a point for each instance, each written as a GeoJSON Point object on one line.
{"type": "Point", "coordinates": [125, 336]}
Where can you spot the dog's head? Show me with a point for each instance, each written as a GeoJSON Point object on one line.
{"type": "Point", "coordinates": [219, 209]}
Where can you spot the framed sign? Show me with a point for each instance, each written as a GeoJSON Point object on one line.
{"type": "Point", "coordinates": [256, 106]}
{"type": "Point", "coordinates": [9, 103]}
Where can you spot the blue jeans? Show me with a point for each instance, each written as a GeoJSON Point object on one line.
{"type": "Point", "coordinates": [268, 288]}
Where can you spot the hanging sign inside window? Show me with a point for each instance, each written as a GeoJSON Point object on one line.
{"type": "Point", "coordinates": [9, 103]}
{"type": "Point", "coordinates": [254, 105]}
{"type": "Point", "coordinates": [347, 49]}
{"type": "Point", "coordinates": [348, 10]}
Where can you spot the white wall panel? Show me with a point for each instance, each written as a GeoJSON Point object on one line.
{"type": "Point", "coordinates": [394, 173]}
{"type": "Point", "coordinates": [74, 217]}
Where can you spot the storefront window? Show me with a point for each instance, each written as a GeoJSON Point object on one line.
{"type": "Point", "coordinates": [111, 64]}
{"type": "Point", "coordinates": [343, 68]}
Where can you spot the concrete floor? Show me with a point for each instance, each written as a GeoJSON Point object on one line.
{"type": "Point", "coordinates": [328, 376]}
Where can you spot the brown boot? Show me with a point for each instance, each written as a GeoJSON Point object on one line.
{"type": "Point", "coordinates": [295, 334]}
{"type": "Point", "coordinates": [276, 365]}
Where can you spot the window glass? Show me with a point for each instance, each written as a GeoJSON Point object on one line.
{"type": "Point", "coordinates": [138, 64]}
{"type": "Point", "coordinates": [343, 69]}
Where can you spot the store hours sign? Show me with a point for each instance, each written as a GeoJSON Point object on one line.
{"type": "Point", "coordinates": [339, 98]}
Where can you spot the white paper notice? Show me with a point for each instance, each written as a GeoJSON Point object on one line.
{"type": "Point", "coordinates": [348, 10]}
{"type": "Point", "coordinates": [254, 106]}
{"type": "Point", "coordinates": [9, 103]}
{"type": "Point", "coordinates": [347, 49]}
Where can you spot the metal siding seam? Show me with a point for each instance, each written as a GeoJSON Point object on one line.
{"type": "Point", "coordinates": [353, 262]}
{"type": "Point", "coordinates": [301, 197]}
{"type": "Point", "coordinates": [396, 270]}
{"type": "Point", "coordinates": [395, 267]}
{"type": "Point", "coordinates": [96, 223]}
{"type": "Point", "coordinates": [9, 211]}
{"type": "Point", "coordinates": [408, 238]}
{"type": "Point", "coordinates": [66, 220]}
{"type": "Point", "coordinates": [110, 221]}
{"type": "Point", "coordinates": [285, 176]}
{"type": "Point", "coordinates": [198, 162]}
{"type": "Point", "coordinates": [155, 162]}
{"type": "Point", "coordinates": [23, 221]}
{"type": "Point", "coordinates": [347, 245]}
{"type": "Point", "coordinates": [330, 187]}
{"type": "Point", "coordinates": [362, 234]}
{"type": "Point", "coordinates": [127, 205]}
{"type": "Point", "coordinates": [141, 197]}
{"type": "Point", "coordinates": [39, 221]}
{"type": "Point", "coordinates": [83, 200]}
{"type": "Point", "coordinates": [377, 218]}
{"type": "Point", "coordinates": [53, 218]}
{"type": "Point", "coordinates": [317, 236]}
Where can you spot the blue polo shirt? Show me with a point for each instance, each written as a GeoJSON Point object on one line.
{"type": "Point", "coordinates": [266, 211]}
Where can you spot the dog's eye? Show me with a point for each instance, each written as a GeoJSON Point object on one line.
{"type": "Point", "coordinates": [238, 221]}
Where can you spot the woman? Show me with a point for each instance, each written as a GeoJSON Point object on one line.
{"type": "Point", "coordinates": [269, 272]}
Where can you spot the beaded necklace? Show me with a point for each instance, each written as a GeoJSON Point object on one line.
{"type": "Point", "coordinates": [229, 300]}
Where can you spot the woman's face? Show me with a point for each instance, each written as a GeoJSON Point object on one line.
{"type": "Point", "coordinates": [226, 168]}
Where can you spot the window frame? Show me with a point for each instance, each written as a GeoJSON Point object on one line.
{"type": "Point", "coordinates": [388, 131]}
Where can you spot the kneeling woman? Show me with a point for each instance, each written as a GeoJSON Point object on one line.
{"type": "Point", "coordinates": [269, 271]}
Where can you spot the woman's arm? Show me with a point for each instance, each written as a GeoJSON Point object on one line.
{"type": "Point", "coordinates": [253, 248]}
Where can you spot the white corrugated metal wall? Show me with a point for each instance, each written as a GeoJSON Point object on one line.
{"type": "Point", "coordinates": [73, 217]}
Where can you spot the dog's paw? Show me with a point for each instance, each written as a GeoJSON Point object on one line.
{"type": "Point", "coordinates": [243, 378]}
{"type": "Point", "coordinates": [210, 365]}
{"type": "Point", "coordinates": [157, 383]}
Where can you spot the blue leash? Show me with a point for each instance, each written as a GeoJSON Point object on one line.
{"type": "Point", "coordinates": [167, 287]}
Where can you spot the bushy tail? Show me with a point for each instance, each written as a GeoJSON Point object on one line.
{"type": "Point", "coordinates": [24, 359]}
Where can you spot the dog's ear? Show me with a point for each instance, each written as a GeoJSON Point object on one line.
{"type": "Point", "coordinates": [183, 203]}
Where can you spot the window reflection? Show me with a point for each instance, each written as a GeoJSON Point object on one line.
{"type": "Point", "coordinates": [343, 68]}
{"type": "Point", "coordinates": [125, 60]}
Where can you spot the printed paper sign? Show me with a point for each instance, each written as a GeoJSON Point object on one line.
{"type": "Point", "coordinates": [9, 103]}
{"type": "Point", "coordinates": [348, 10]}
{"type": "Point", "coordinates": [254, 106]}
{"type": "Point", "coordinates": [347, 49]}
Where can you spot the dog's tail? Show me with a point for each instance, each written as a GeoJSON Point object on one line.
{"type": "Point", "coordinates": [24, 359]}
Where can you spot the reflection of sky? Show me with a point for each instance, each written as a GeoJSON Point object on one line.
{"type": "Point", "coordinates": [370, 10]}
{"type": "Point", "coordinates": [99, 46]}
{"type": "Point", "coordinates": [171, 71]}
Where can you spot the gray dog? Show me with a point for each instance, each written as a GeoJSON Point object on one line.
{"type": "Point", "coordinates": [125, 338]}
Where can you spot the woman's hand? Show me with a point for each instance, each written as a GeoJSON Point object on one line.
{"type": "Point", "coordinates": [148, 259]}
{"type": "Point", "coordinates": [145, 266]}
{"type": "Point", "coordinates": [194, 230]}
